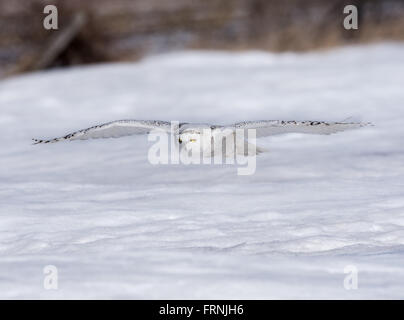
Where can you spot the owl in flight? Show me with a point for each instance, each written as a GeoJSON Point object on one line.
{"type": "Point", "coordinates": [186, 134]}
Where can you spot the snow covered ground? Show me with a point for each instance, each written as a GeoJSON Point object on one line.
{"type": "Point", "coordinates": [116, 226]}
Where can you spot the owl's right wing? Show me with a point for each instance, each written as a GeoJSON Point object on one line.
{"type": "Point", "coordinates": [114, 129]}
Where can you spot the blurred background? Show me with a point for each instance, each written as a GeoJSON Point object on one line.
{"type": "Point", "coordinates": [94, 31]}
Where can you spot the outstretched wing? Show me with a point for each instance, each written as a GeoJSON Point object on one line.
{"type": "Point", "coordinates": [114, 129]}
{"type": "Point", "coordinates": [272, 127]}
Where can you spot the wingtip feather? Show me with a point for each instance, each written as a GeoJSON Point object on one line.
{"type": "Point", "coordinates": [36, 141]}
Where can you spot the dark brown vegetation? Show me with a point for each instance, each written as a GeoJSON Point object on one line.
{"type": "Point", "coordinates": [116, 30]}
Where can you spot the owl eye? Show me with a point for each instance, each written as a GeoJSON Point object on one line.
{"type": "Point", "coordinates": [192, 140]}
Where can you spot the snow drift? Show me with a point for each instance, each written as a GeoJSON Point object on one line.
{"type": "Point", "coordinates": [116, 226]}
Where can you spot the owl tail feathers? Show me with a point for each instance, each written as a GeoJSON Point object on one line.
{"type": "Point", "coordinates": [250, 149]}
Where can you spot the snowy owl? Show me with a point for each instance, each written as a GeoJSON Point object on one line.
{"type": "Point", "coordinates": [187, 134]}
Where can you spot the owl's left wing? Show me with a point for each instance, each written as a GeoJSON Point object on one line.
{"type": "Point", "coordinates": [273, 127]}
